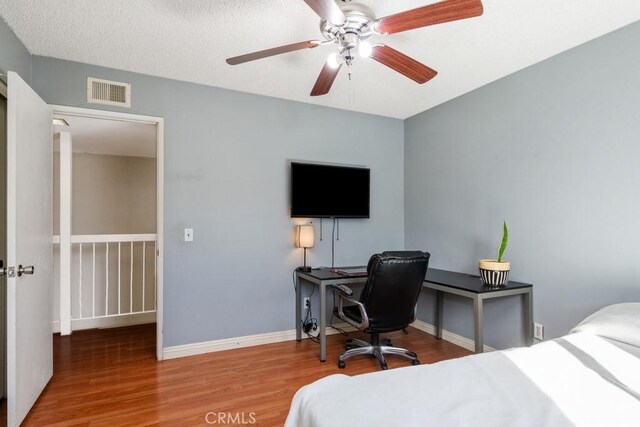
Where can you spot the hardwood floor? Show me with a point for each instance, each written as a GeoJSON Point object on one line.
{"type": "Point", "coordinates": [111, 378]}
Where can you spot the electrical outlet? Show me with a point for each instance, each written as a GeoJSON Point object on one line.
{"type": "Point", "coordinates": [538, 331]}
{"type": "Point", "coordinates": [307, 302]}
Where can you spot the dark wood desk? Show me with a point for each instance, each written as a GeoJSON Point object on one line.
{"type": "Point", "coordinates": [470, 286]}
{"type": "Point", "coordinates": [441, 281]}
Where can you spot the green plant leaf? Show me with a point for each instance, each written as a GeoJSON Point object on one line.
{"type": "Point", "coordinates": [505, 240]}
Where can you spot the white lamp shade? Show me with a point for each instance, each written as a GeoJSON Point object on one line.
{"type": "Point", "coordinates": [304, 236]}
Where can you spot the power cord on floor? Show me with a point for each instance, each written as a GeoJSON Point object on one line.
{"type": "Point", "coordinates": [309, 324]}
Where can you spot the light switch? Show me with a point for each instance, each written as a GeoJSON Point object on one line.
{"type": "Point", "coordinates": [188, 234]}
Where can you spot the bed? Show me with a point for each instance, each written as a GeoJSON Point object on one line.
{"type": "Point", "coordinates": [590, 377]}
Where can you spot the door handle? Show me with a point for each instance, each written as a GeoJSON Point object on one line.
{"type": "Point", "coordinates": [11, 272]}
{"type": "Point", "coordinates": [25, 270]}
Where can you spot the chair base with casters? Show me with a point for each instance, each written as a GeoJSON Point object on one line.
{"type": "Point", "coordinates": [376, 348]}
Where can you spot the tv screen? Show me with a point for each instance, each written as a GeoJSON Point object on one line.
{"type": "Point", "coordinates": [323, 191]}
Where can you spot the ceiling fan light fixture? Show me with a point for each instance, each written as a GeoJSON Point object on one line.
{"type": "Point", "coordinates": [334, 60]}
{"type": "Point", "coordinates": [365, 49]}
{"type": "Point", "coordinates": [348, 24]}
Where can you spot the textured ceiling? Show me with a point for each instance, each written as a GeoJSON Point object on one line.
{"type": "Point", "coordinates": [190, 40]}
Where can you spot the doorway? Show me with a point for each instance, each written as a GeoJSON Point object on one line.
{"type": "Point", "coordinates": [109, 192]}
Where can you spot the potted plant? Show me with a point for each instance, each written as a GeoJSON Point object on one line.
{"type": "Point", "coordinates": [496, 272]}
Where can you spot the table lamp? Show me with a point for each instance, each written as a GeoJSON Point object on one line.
{"type": "Point", "coordinates": [304, 239]}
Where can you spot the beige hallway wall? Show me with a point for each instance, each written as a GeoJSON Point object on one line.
{"type": "Point", "coordinates": [111, 194]}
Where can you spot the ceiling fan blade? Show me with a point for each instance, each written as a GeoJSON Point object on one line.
{"type": "Point", "coordinates": [437, 13]}
{"type": "Point", "coordinates": [272, 52]}
{"type": "Point", "coordinates": [327, 10]}
{"type": "Point", "coordinates": [325, 80]}
{"type": "Point", "coordinates": [403, 64]}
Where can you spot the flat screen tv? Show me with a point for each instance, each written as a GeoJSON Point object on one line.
{"type": "Point", "coordinates": [325, 191]}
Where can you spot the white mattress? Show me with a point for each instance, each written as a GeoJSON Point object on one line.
{"type": "Point", "coordinates": [580, 379]}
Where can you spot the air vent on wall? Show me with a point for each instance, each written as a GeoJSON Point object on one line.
{"type": "Point", "coordinates": [107, 92]}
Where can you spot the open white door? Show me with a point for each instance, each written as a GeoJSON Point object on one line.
{"type": "Point", "coordinates": [29, 231]}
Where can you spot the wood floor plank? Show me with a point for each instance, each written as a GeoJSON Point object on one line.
{"type": "Point", "coordinates": [111, 378]}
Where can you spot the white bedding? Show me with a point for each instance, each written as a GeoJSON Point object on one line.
{"type": "Point", "coordinates": [620, 322]}
{"type": "Point", "coordinates": [580, 379]}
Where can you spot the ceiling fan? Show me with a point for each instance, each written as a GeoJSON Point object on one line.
{"type": "Point", "coordinates": [349, 25]}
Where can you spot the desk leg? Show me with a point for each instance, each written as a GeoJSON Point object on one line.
{"type": "Point", "coordinates": [478, 323]}
{"type": "Point", "coordinates": [298, 310]}
{"type": "Point", "coordinates": [528, 317]}
{"type": "Point", "coordinates": [323, 322]}
{"type": "Point", "coordinates": [439, 304]}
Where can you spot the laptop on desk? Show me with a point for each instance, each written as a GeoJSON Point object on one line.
{"type": "Point", "coordinates": [351, 271]}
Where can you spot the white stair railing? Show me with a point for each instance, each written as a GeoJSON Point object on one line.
{"type": "Point", "coordinates": [110, 296]}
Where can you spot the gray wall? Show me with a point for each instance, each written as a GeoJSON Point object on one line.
{"type": "Point", "coordinates": [555, 151]}
{"type": "Point", "coordinates": [13, 55]}
{"type": "Point", "coordinates": [226, 170]}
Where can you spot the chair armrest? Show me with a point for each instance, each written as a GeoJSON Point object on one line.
{"type": "Point", "coordinates": [344, 289]}
{"type": "Point", "coordinates": [364, 324]}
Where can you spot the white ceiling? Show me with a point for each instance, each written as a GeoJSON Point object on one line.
{"type": "Point", "coordinates": [112, 137]}
{"type": "Point", "coordinates": [190, 40]}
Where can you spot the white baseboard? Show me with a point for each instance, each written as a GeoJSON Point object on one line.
{"type": "Point", "coordinates": [177, 351]}
{"type": "Point", "coordinates": [108, 322]}
{"type": "Point", "coordinates": [185, 350]}
{"type": "Point", "coordinates": [456, 339]}
{"type": "Point", "coordinates": [240, 342]}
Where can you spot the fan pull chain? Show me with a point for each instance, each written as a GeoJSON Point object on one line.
{"type": "Point", "coordinates": [352, 91]}
{"type": "Point", "coordinates": [351, 88]}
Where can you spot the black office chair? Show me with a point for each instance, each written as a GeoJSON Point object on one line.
{"type": "Point", "coordinates": [387, 303]}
